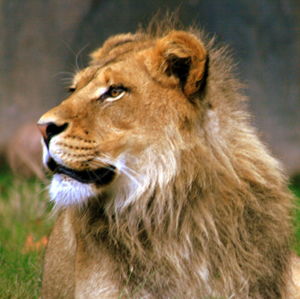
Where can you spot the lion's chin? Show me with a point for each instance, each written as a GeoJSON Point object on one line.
{"type": "Point", "coordinates": [66, 191]}
{"type": "Point", "coordinates": [75, 187]}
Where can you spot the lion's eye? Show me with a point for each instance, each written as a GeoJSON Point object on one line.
{"type": "Point", "coordinates": [113, 93]}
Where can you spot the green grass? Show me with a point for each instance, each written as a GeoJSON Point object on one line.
{"type": "Point", "coordinates": [295, 187]}
{"type": "Point", "coordinates": [24, 211]}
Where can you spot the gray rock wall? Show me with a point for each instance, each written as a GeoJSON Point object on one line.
{"type": "Point", "coordinates": [43, 42]}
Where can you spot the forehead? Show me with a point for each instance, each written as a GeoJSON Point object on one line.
{"type": "Point", "coordinates": [125, 69]}
{"type": "Point", "coordinates": [121, 72]}
{"type": "Point", "coordinates": [116, 56]}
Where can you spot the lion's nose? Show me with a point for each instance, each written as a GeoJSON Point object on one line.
{"type": "Point", "coordinates": [51, 129]}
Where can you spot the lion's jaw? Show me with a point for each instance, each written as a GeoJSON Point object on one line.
{"type": "Point", "coordinates": [73, 185]}
{"type": "Point", "coordinates": [130, 177]}
{"type": "Point", "coordinates": [65, 190]}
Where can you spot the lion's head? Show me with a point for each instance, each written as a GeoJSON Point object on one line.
{"type": "Point", "coordinates": [130, 113]}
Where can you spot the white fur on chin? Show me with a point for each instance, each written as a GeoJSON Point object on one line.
{"type": "Point", "coordinates": [65, 191]}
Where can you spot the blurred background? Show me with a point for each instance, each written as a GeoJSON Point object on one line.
{"type": "Point", "coordinates": [44, 42]}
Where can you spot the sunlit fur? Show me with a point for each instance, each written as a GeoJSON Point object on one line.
{"type": "Point", "coordinates": [198, 207]}
{"type": "Point", "coordinates": [65, 191]}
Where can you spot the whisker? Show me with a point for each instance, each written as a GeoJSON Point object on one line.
{"type": "Point", "coordinates": [130, 173]}
{"type": "Point", "coordinates": [63, 74]}
{"type": "Point", "coordinates": [67, 77]}
{"type": "Point", "coordinates": [132, 178]}
{"type": "Point", "coordinates": [69, 47]}
{"type": "Point", "coordinates": [78, 55]}
{"type": "Point", "coordinates": [67, 80]}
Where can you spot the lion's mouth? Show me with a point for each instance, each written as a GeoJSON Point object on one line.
{"type": "Point", "coordinates": [100, 176]}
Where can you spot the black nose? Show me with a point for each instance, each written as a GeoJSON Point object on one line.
{"type": "Point", "coordinates": [51, 129]}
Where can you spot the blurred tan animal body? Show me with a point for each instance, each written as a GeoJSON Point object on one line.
{"type": "Point", "coordinates": [24, 151]}
{"type": "Point", "coordinates": [162, 186]}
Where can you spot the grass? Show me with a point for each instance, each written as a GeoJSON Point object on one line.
{"type": "Point", "coordinates": [25, 220]}
{"type": "Point", "coordinates": [295, 187]}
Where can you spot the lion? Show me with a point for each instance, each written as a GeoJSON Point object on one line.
{"type": "Point", "coordinates": [162, 185]}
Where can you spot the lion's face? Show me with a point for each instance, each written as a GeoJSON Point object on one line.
{"type": "Point", "coordinates": [123, 115]}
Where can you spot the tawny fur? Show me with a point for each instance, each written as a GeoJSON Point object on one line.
{"type": "Point", "coordinates": [199, 208]}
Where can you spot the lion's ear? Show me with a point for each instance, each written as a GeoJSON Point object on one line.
{"type": "Point", "coordinates": [182, 59]}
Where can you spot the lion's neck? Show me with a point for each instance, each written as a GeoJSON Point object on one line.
{"type": "Point", "coordinates": [163, 222]}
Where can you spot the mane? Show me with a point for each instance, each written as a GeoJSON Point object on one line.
{"type": "Point", "coordinates": [202, 204]}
